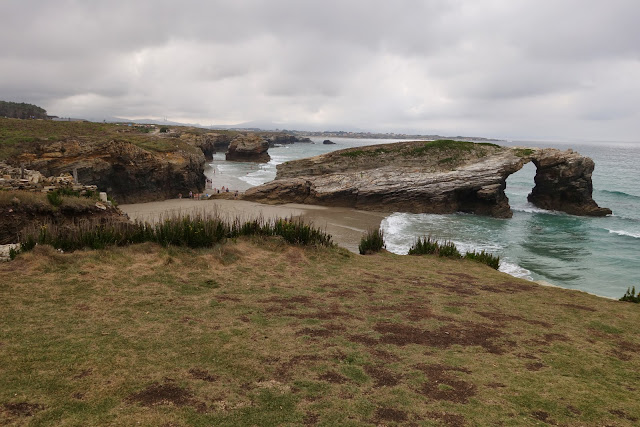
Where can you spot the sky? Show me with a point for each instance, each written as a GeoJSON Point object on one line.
{"type": "Point", "coordinates": [514, 69]}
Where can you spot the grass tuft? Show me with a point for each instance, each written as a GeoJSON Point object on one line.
{"type": "Point", "coordinates": [198, 231]}
{"type": "Point", "coordinates": [631, 296]}
{"type": "Point", "coordinates": [428, 246]}
{"type": "Point", "coordinates": [371, 242]}
{"type": "Point", "coordinates": [484, 258]}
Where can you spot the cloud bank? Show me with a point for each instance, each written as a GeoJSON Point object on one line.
{"type": "Point", "coordinates": [565, 69]}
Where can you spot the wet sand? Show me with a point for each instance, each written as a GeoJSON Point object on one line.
{"type": "Point", "coordinates": [344, 224]}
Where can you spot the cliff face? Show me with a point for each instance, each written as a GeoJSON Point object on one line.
{"type": "Point", "coordinates": [208, 143]}
{"type": "Point", "coordinates": [432, 177]}
{"type": "Point", "coordinates": [248, 148]}
{"type": "Point", "coordinates": [127, 172]}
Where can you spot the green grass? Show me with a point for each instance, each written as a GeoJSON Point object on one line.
{"type": "Point", "coordinates": [523, 152]}
{"type": "Point", "coordinates": [427, 246]}
{"type": "Point", "coordinates": [17, 135]}
{"type": "Point", "coordinates": [259, 332]}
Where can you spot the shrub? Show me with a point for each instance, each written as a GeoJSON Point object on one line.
{"type": "Point", "coordinates": [55, 198]}
{"type": "Point", "coordinates": [13, 253]}
{"type": "Point", "coordinates": [371, 242]}
{"type": "Point", "coordinates": [164, 129]}
{"type": "Point", "coordinates": [484, 257]}
{"type": "Point", "coordinates": [630, 296]}
{"type": "Point", "coordinates": [192, 231]}
{"type": "Point", "coordinates": [427, 246]}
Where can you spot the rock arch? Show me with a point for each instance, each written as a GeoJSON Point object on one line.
{"type": "Point", "coordinates": [405, 177]}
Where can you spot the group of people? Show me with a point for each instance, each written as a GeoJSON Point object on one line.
{"type": "Point", "coordinates": [200, 196]}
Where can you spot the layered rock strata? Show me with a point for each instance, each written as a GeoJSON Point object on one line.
{"type": "Point", "coordinates": [248, 148]}
{"type": "Point", "coordinates": [431, 177]}
{"type": "Point", "coordinates": [126, 171]}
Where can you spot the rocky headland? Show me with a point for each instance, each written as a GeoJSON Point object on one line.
{"type": "Point", "coordinates": [248, 148]}
{"type": "Point", "coordinates": [441, 176]}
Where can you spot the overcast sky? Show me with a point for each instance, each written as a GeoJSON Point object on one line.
{"type": "Point", "coordinates": [539, 69]}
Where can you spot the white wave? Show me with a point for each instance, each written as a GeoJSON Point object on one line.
{"type": "Point", "coordinates": [624, 233]}
{"type": "Point", "coordinates": [515, 270]}
{"type": "Point", "coordinates": [529, 208]}
{"type": "Point", "coordinates": [258, 177]}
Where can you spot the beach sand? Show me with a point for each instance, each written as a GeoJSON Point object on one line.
{"type": "Point", "coordinates": [345, 225]}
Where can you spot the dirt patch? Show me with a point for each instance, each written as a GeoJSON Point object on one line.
{"type": "Point", "coordinates": [465, 334]}
{"type": "Point", "coordinates": [23, 409]}
{"type": "Point", "coordinates": [578, 307]}
{"type": "Point", "coordinates": [384, 355]}
{"type": "Point", "coordinates": [415, 311]}
{"type": "Point", "coordinates": [628, 346]}
{"type": "Point", "coordinates": [342, 294]}
{"type": "Point", "coordinates": [284, 370]}
{"type": "Point", "coordinates": [330, 313]}
{"type": "Point", "coordinates": [548, 339]}
{"type": "Point", "coordinates": [162, 394]}
{"type": "Point", "coordinates": [496, 385]}
{"type": "Point", "coordinates": [625, 357]}
{"type": "Point", "coordinates": [447, 419]}
{"type": "Point", "coordinates": [621, 414]}
{"type": "Point", "coordinates": [383, 378]}
{"type": "Point", "coordinates": [390, 414]}
{"type": "Point", "coordinates": [288, 300]}
{"type": "Point", "coordinates": [333, 377]}
{"type": "Point", "coordinates": [201, 374]}
{"type": "Point", "coordinates": [221, 298]}
{"type": "Point", "coordinates": [543, 416]}
{"type": "Point", "coordinates": [83, 373]}
{"type": "Point", "coordinates": [310, 419]}
{"type": "Point", "coordinates": [444, 386]}
{"type": "Point", "coordinates": [364, 339]}
{"type": "Point", "coordinates": [508, 288]}
{"type": "Point", "coordinates": [315, 332]}
{"type": "Point", "coordinates": [535, 366]}
{"type": "Point", "coordinates": [504, 318]}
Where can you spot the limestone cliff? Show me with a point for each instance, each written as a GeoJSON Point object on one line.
{"type": "Point", "coordinates": [128, 172]}
{"type": "Point", "coordinates": [248, 148]}
{"type": "Point", "coordinates": [431, 177]}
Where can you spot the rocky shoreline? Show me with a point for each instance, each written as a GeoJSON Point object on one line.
{"type": "Point", "coordinates": [433, 177]}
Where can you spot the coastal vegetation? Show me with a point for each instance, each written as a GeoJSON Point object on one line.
{"type": "Point", "coordinates": [631, 296]}
{"type": "Point", "coordinates": [197, 231]}
{"type": "Point", "coordinates": [428, 246]}
{"type": "Point", "coordinates": [427, 148]}
{"type": "Point", "coordinates": [371, 242]}
{"type": "Point", "coordinates": [260, 332]}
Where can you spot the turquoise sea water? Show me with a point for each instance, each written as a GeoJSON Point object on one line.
{"type": "Point", "coordinates": [597, 255]}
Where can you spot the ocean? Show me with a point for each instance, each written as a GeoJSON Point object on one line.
{"type": "Point", "coordinates": [596, 255]}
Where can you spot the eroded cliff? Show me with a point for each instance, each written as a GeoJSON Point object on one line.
{"type": "Point", "coordinates": [432, 177]}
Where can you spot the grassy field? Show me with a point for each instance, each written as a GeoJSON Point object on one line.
{"type": "Point", "coordinates": [18, 135]}
{"type": "Point", "coordinates": [258, 332]}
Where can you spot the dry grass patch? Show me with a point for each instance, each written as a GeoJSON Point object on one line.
{"type": "Point", "coordinates": [261, 333]}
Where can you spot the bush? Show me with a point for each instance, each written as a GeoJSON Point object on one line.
{"type": "Point", "coordinates": [427, 246]}
{"type": "Point", "coordinates": [484, 257]}
{"type": "Point", "coordinates": [164, 129]}
{"type": "Point", "coordinates": [371, 242]}
{"type": "Point", "coordinates": [630, 296]}
{"type": "Point", "coordinates": [55, 198]}
{"type": "Point", "coordinates": [13, 253]}
{"type": "Point", "coordinates": [192, 231]}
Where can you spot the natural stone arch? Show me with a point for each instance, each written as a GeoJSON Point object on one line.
{"type": "Point", "coordinates": [419, 177]}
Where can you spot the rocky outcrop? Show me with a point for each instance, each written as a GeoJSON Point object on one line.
{"type": "Point", "coordinates": [418, 176]}
{"type": "Point", "coordinates": [208, 143]}
{"type": "Point", "coordinates": [328, 142]}
{"type": "Point", "coordinates": [126, 171]}
{"type": "Point", "coordinates": [248, 148]}
{"type": "Point", "coordinates": [563, 183]}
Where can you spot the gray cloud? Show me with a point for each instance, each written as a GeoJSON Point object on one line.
{"type": "Point", "coordinates": [525, 69]}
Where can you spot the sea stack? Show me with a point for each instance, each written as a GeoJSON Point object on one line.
{"type": "Point", "coordinates": [248, 148]}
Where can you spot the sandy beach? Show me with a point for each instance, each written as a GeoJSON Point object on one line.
{"type": "Point", "coordinates": [344, 224]}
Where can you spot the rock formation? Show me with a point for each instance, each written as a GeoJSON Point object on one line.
{"type": "Point", "coordinates": [248, 148]}
{"type": "Point", "coordinates": [209, 143]}
{"type": "Point", "coordinates": [126, 171]}
{"type": "Point", "coordinates": [328, 142]}
{"type": "Point", "coordinates": [432, 177]}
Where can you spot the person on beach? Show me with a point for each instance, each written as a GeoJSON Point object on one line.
{"type": "Point", "coordinates": [191, 194]}
{"type": "Point", "coordinates": [179, 195]}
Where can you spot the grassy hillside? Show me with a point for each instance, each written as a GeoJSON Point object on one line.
{"type": "Point", "coordinates": [18, 135]}
{"type": "Point", "coordinates": [261, 333]}
{"type": "Point", "coordinates": [258, 332]}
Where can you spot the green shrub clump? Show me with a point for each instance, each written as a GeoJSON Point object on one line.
{"type": "Point", "coordinates": [631, 296]}
{"type": "Point", "coordinates": [192, 231]}
{"type": "Point", "coordinates": [371, 242]}
{"type": "Point", "coordinates": [164, 129]}
{"type": "Point", "coordinates": [429, 246]}
{"type": "Point", "coordinates": [484, 257]}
